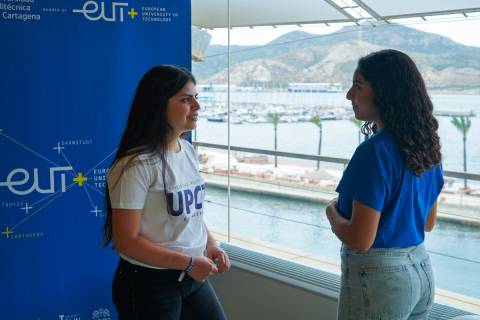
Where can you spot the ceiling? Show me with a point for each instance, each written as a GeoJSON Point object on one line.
{"type": "Point", "coordinates": [212, 14]}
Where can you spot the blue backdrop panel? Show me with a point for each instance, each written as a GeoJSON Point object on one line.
{"type": "Point", "coordinates": [69, 72]}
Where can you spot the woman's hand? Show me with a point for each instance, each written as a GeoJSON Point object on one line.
{"type": "Point", "coordinates": [202, 269]}
{"type": "Point", "coordinates": [331, 210]}
{"type": "Point", "coordinates": [216, 253]}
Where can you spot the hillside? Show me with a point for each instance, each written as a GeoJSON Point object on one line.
{"type": "Point", "coordinates": [302, 57]}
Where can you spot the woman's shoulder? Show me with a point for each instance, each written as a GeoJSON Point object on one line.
{"type": "Point", "coordinates": [382, 142]}
{"type": "Point", "coordinates": [435, 170]}
{"type": "Point", "coordinates": [380, 138]}
{"type": "Point", "coordinates": [132, 169]}
{"type": "Point", "coordinates": [187, 146]}
{"type": "Point", "coordinates": [379, 149]}
{"type": "Point", "coordinates": [134, 160]}
{"type": "Point", "coordinates": [370, 145]}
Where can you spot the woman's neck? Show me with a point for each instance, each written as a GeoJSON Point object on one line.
{"type": "Point", "coordinates": [378, 123]}
{"type": "Point", "coordinates": [173, 144]}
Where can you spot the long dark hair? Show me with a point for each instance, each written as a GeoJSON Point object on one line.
{"type": "Point", "coordinates": [147, 128]}
{"type": "Point", "coordinates": [404, 106]}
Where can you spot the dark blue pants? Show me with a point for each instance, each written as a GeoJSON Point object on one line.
{"type": "Point", "coordinates": [141, 293]}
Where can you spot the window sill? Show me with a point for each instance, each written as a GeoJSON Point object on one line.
{"type": "Point", "coordinates": [314, 280]}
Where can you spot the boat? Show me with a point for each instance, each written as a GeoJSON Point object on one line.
{"type": "Point", "coordinates": [315, 87]}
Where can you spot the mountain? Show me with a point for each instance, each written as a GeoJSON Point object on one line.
{"type": "Point", "coordinates": [303, 57]}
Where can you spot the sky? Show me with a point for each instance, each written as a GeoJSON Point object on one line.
{"type": "Point", "coordinates": [459, 29]}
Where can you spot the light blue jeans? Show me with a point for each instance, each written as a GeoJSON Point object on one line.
{"type": "Point", "coordinates": [391, 283]}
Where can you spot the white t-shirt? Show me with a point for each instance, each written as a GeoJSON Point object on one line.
{"type": "Point", "coordinates": [141, 187]}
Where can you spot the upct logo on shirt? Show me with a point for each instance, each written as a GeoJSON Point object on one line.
{"type": "Point", "coordinates": [186, 200]}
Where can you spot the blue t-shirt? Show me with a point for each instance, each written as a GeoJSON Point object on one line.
{"type": "Point", "coordinates": [378, 178]}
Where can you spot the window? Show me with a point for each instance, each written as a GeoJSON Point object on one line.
{"type": "Point", "coordinates": [287, 105]}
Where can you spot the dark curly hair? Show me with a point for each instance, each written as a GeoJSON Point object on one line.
{"type": "Point", "coordinates": [404, 107]}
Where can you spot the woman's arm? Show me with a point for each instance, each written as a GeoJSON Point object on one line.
{"type": "Point", "coordinates": [126, 226]}
{"type": "Point", "coordinates": [432, 218]}
{"type": "Point", "coordinates": [359, 232]}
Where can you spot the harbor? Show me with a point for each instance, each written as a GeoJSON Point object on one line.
{"type": "Point", "coordinates": [279, 209]}
{"type": "Point", "coordinates": [301, 103]}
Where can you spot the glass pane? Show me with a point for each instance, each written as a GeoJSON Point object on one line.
{"type": "Point", "coordinates": [288, 87]}
{"type": "Point", "coordinates": [212, 128]}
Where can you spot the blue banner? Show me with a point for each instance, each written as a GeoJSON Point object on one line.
{"type": "Point", "coordinates": [70, 69]}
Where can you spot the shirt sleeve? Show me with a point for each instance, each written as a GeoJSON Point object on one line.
{"type": "Point", "coordinates": [365, 180]}
{"type": "Point", "coordinates": [128, 184]}
{"type": "Point", "coordinates": [438, 182]}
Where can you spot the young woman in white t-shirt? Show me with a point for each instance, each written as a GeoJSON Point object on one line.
{"type": "Point", "coordinates": [155, 207]}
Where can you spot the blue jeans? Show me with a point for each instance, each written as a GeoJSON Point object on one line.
{"type": "Point", "coordinates": [141, 293]}
{"type": "Point", "coordinates": [390, 283]}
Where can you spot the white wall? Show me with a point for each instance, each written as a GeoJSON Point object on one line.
{"type": "Point", "coordinates": [247, 295]}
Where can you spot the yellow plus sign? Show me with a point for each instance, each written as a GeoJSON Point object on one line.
{"type": "Point", "coordinates": [132, 13]}
{"type": "Point", "coordinates": [80, 179]}
{"type": "Point", "coordinates": [7, 232]}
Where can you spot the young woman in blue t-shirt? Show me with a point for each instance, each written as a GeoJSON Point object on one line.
{"type": "Point", "coordinates": [388, 193]}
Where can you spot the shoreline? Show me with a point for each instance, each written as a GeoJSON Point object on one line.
{"type": "Point", "coordinates": [447, 202]}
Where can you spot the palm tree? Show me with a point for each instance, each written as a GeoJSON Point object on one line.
{"type": "Point", "coordinates": [318, 122]}
{"type": "Point", "coordinates": [358, 124]}
{"type": "Point", "coordinates": [274, 118]}
{"type": "Point", "coordinates": [463, 124]}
